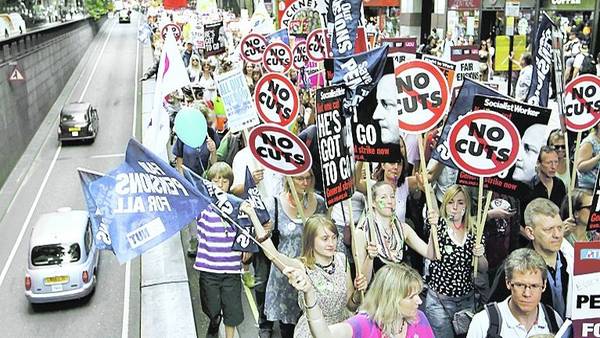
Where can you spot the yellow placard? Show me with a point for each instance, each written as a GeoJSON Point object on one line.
{"type": "Point", "coordinates": [502, 51]}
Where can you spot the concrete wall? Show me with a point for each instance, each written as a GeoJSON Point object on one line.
{"type": "Point", "coordinates": [23, 105]}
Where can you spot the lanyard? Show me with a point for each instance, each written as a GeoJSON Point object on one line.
{"type": "Point", "coordinates": [556, 287]}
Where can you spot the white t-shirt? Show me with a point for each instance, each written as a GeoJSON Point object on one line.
{"type": "Point", "coordinates": [210, 87]}
{"type": "Point", "coordinates": [412, 147]}
{"type": "Point", "coordinates": [578, 62]}
{"type": "Point", "coordinates": [510, 325]}
{"type": "Point", "coordinates": [523, 83]}
{"type": "Point", "coordinates": [341, 217]}
{"type": "Point", "coordinates": [270, 186]}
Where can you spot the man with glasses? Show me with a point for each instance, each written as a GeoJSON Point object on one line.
{"type": "Point", "coordinates": [521, 314]}
{"type": "Point", "coordinates": [545, 229]}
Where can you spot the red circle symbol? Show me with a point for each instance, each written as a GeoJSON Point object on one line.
{"type": "Point", "coordinates": [252, 47]}
{"type": "Point", "coordinates": [300, 55]}
{"type": "Point", "coordinates": [276, 99]}
{"type": "Point", "coordinates": [484, 143]}
{"type": "Point", "coordinates": [582, 103]}
{"type": "Point", "coordinates": [277, 57]}
{"type": "Point", "coordinates": [423, 96]}
{"type": "Point", "coordinates": [176, 30]}
{"type": "Point", "coordinates": [279, 150]}
{"type": "Point", "coordinates": [317, 45]}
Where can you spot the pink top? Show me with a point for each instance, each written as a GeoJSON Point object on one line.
{"type": "Point", "coordinates": [363, 327]}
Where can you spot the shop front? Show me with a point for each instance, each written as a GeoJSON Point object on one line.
{"type": "Point", "coordinates": [574, 15]}
{"type": "Point", "coordinates": [464, 20]}
{"type": "Point", "coordinates": [494, 19]}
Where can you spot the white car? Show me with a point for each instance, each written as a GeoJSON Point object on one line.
{"type": "Point", "coordinates": [63, 257]}
{"type": "Point", "coordinates": [11, 24]}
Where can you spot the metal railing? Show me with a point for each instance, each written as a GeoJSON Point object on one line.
{"type": "Point", "coordinates": [20, 45]}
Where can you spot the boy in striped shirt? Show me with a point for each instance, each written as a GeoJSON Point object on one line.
{"type": "Point", "coordinates": [219, 266]}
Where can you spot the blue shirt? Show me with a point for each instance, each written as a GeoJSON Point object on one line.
{"type": "Point", "coordinates": [196, 158]}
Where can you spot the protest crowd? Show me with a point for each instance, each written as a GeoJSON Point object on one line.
{"type": "Point", "coordinates": [381, 195]}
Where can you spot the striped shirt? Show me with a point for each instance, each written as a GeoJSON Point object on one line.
{"type": "Point", "coordinates": [215, 239]}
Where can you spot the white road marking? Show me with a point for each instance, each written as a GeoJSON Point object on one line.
{"type": "Point", "coordinates": [45, 181]}
{"type": "Point", "coordinates": [96, 64]}
{"type": "Point", "coordinates": [107, 155]}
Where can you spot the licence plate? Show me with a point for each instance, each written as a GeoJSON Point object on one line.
{"type": "Point", "coordinates": [56, 280]}
{"type": "Point", "coordinates": [74, 133]}
{"type": "Point", "coordinates": [57, 288]}
{"type": "Point", "coordinates": [74, 129]}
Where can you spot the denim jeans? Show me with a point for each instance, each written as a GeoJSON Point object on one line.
{"type": "Point", "coordinates": [440, 310]}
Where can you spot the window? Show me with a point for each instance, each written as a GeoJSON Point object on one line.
{"type": "Point", "coordinates": [55, 254]}
{"type": "Point", "coordinates": [89, 237]}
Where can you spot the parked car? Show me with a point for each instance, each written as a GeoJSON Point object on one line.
{"type": "Point", "coordinates": [125, 15]}
{"type": "Point", "coordinates": [11, 24]}
{"type": "Point", "coordinates": [63, 257]}
{"type": "Point", "coordinates": [78, 121]}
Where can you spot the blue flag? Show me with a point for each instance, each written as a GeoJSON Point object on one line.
{"type": "Point", "coordinates": [543, 62]}
{"type": "Point", "coordinates": [143, 202]}
{"type": "Point", "coordinates": [345, 15]}
{"type": "Point", "coordinates": [281, 35]}
{"type": "Point", "coordinates": [252, 195]}
{"type": "Point", "coordinates": [228, 206]}
{"type": "Point", "coordinates": [100, 229]}
{"type": "Point", "coordinates": [359, 74]}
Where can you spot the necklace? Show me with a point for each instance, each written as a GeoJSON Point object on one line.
{"type": "Point", "coordinates": [329, 268]}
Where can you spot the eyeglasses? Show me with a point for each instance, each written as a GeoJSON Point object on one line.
{"type": "Point", "coordinates": [522, 287]}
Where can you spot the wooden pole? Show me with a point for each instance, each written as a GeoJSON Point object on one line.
{"type": "Point", "coordinates": [480, 227]}
{"type": "Point", "coordinates": [428, 197]}
{"type": "Point", "coordinates": [357, 262]}
{"type": "Point", "coordinates": [573, 177]}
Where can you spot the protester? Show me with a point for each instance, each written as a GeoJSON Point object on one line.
{"type": "Point", "coordinates": [194, 69]}
{"type": "Point", "coordinates": [207, 81]}
{"type": "Point", "coordinates": [584, 62]}
{"type": "Point", "coordinates": [556, 140]}
{"type": "Point", "coordinates": [390, 308]}
{"type": "Point", "coordinates": [451, 285]}
{"type": "Point", "coordinates": [219, 267]}
{"type": "Point", "coordinates": [582, 205]}
{"type": "Point", "coordinates": [281, 303]}
{"type": "Point", "coordinates": [545, 183]}
{"type": "Point", "coordinates": [388, 233]}
{"type": "Point", "coordinates": [327, 268]}
{"type": "Point", "coordinates": [520, 315]}
{"type": "Point", "coordinates": [524, 79]}
{"type": "Point", "coordinates": [588, 159]}
{"type": "Point", "coordinates": [484, 61]}
{"type": "Point", "coordinates": [544, 227]}
{"type": "Point", "coordinates": [186, 55]}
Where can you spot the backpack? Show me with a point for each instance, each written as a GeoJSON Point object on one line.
{"type": "Point", "coordinates": [588, 66]}
{"type": "Point", "coordinates": [496, 320]}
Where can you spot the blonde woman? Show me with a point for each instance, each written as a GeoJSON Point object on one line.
{"type": "Point", "coordinates": [451, 277]}
{"type": "Point", "coordinates": [326, 268]}
{"type": "Point", "coordinates": [390, 308]}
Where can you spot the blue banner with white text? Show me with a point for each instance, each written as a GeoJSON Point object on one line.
{"type": "Point", "coordinates": [543, 62]}
{"type": "Point", "coordinates": [346, 16]}
{"type": "Point", "coordinates": [99, 228]}
{"type": "Point", "coordinates": [143, 202]}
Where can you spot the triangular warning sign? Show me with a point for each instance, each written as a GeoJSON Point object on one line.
{"type": "Point", "coordinates": [16, 75]}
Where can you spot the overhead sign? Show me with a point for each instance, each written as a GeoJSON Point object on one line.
{"type": "Point", "coordinates": [582, 103]}
{"type": "Point", "coordinates": [276, 99]}
{"type": "Point", "coordinates": [300, 55]}
{"type": "Point", "coordinates": [402, 45]}
{"type": "Point", "coordinates": [586, 290]}
{"type": "Point", "coordinates": [239, 107]}
{"type": "Point", "coordinates": [252, 47]}
{"type": "Point", "coordinates": [173, 28]}
{"type": "Point", "coordinates": [279, 150]}
{"type": "Point", "coordinates": [423, 96]}
{"type": "Point", "coordinates": [318, 45]}
{"type": "Point", "coordinates": [484, 143]}
{"type": "Point", "coordinates": [277, 57]}
{"type": "Point", "coordinates": [334, 153]}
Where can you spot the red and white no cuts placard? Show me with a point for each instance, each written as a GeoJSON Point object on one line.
{"type": "Point", "coordinates": [277, 57]}
{"type": "Point", "coordinates": [300, 55]}
{"type": "Point", "coordinates": [276, 99]}
{"type": "Point", "coordinates": [317, 46]}
{"type": "Point", "coordinates": [173, 28]}
{"type": "Point", "coordinates": [423, 96]}
{"type": "Point", "coordinates": [484, 143]}
{"type": "Point", "coordinates": [252, 47]}
{"type": "Point", "coordinates": [582, 103]}
{"type": "Point", "coordinates": [279, 150]}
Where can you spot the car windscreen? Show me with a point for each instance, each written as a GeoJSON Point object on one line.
{"type": "Point", "coordinates": [73, 117]}
{"type": "Point", "coordinates": [55, 254]}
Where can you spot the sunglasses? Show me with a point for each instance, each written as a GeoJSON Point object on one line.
{"type": "Point", "coordinates": [559, 147]}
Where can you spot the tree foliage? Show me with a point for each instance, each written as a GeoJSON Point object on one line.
{"type": "Point", "coordinates": [97, 8]}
